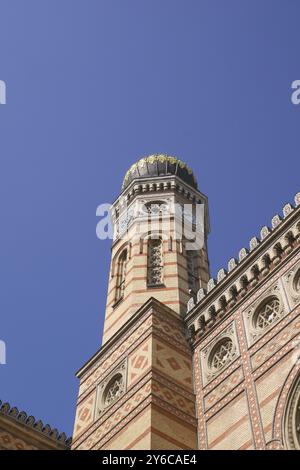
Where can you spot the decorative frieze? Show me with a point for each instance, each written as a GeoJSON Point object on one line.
{"type": "Point", "coordinates": [291, 282]}
{"type": "Point", "coordinates": [252, 276]}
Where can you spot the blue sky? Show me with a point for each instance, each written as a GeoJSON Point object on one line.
{"type": "Point", "coordinates": [91, 87]}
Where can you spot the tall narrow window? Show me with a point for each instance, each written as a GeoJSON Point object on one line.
{"type": "Point", "coordinates": [192, 270]}
{"type": "Point", "coordinates": [121, 275]}
{"type": "Point", "coordinates": [155, 262]}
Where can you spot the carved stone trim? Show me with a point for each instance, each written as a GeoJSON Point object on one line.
{"type": "Point", "coordinates": [291, 281]}
{"type": "Point", "coordinates": [111, 388]}
{"type": "Point", "coordinates": [228, 354]}
{"type": "Point", "coordinates": [253, 330]}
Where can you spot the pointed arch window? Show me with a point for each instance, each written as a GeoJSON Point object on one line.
{"type": "Point", "coordinates": [121, 274]}
{"type": "Point", "coordinates": [155, 263]}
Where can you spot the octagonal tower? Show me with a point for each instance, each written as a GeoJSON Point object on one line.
{"type": "Point", "coordinates": [137, 391]}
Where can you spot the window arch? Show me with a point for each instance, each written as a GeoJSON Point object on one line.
{"type": "Point", "coordinates": [121, 274]}
{"type": "Point", "coordinates": [221, 355]}
{"type": "Point", "coordinates": [292, 418]}
{"type": "Point", "coordinates": [113, 390]}
{"type": "Point", "coordinates": [155, 262]}
{"type": "Point", "coordinates": [267, 313]}
{"type": "Point", "coordinates": [296, 283]}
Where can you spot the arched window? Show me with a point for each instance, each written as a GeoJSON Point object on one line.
{"type": "Point", "coordinates": [292, 418]}
{"type": "Point", "coordinates": [221, 354]}
{"type": "Point", "coordinates": [192, 270]}
{"type": "Point", "coordinates": [297, 281]}
{"type": "Point", "coordinates": [267, 313]}
{"type": "Point", "coordinates": [113, 390]}
{"type": "Point", "coordinates": [155, 262]}
{"type": "Point", "coordinates": [121, 273]}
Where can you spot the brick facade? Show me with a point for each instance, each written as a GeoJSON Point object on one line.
{"type": "Point", "coordinates": [212, 368]}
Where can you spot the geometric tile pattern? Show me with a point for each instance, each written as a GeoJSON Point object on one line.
{"type": "Point", "coordinates": [172, 363]}
{"type": "Point", "coordinates": [224, 388]}
{"type": "Point", "coordinates": [84, 414]}
{"type": "Point", "coordinates": [115, 353]}
{"type": "Point", "coordinates": [230, 428]}
{"type": "Point", "coordinates": [150, 391]}
{"type": "Point", "coordinates": [153, 346]}
{"type": "Point", "coordinates": [255, 418]}
{"type": "Point", "coordinates": [138, 362]}
{"type": "Point", "coordinates": [256, 360]}
{"type": "Point", "coordinates": [276, 343]}
{"type": "Point", "coordinates": [109, 424]}
{"type": "Point", "coordinates": [170, 331]}
{"type": "Point", "coordinates": [10, 442]}
{"type": "Point", "coordinates": [173, 398]}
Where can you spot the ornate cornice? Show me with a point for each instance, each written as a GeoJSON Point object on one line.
{"type": "Point", "coordinates": [230, 288]}
{"type": "Point", "coordinates": [37, 426]}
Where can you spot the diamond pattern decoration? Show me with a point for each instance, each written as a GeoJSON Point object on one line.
{"type": "Point", "coordinates": [84, 415]}
{"type": "Point", "coordinates": [139, 362]}
{"type": "Point", "coordinates": [9, 442]}
{"type": "Point", "coordinates": [172, 364]}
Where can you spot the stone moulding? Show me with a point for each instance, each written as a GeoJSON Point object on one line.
{"type": "Point", "coordinates": [277, 221]}
{"type": "Point", "coordinates": [221, 297]}
{"type": "Point", "coordinates": [31, 422]}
